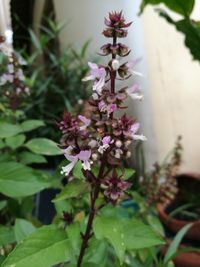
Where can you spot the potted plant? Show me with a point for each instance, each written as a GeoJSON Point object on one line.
{"type": "Point", "coordinates": [177, 198]}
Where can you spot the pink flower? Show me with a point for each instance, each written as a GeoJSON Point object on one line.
{"type": "Point", "coordinates": [134, 128]}
{"type": "Point", "coordinates": [97, 74]}
{"type": "Point", "coordinates": [111, 108]}
{"type": "Point", "coordinates": [133, 92]}
{"type": "Point", "coordinates": [106, 141]}
{"type": "Point", "coordinates": [6, 78]}
{"type": "Point", "coordinates": [86, 122]}
{"type": "Point", "coordinates": [83, 155]}
{"type": "Point", "coordinates": [131, 65]}
{"type": "Point", "coordinates": [115, 187]}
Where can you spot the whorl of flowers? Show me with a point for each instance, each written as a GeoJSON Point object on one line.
{"type": "Point", "coordinates": [12, 78]}
{"type": "Point", "coordinates": [104, 139]}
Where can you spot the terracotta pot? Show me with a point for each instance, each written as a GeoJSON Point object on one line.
{"type": "Point", "coordinates": [189, 259]}
{"type": "Point", "coordinates": [186, 259]}
{"type": "Point", "coordinates": [176, 224]}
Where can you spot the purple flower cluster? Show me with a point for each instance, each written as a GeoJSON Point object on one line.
{"type": "Point", "coordinates": [12, 78]}
{"type": "Point", "coordinates": [104, 139]}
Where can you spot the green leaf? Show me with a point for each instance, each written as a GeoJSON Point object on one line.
{"type": "Point", "coordinates": [22, 229]}
{"type": "Point", "coordinates": [29, 158]}
{"type": "Point", "coordinates": [44, 248]}
{"type": "Point", "coordinates": [3, 204]}
{"type": "Point", "coordinates": [15, 141]}
{"type": "Point", "coordinates": [2, 144]}
{"type": "Point", "coordinates": [43, 146]}
{"type": "Point", "coordinates": [191, 31]}
{"type": "Point", "coordinates": [176, 242]}
{"type": "Point", "coordinates": [6, 235]}
{"type": "Point", "coordinates": [128, 173]}
{"type": "Point", "coordinates": [73, 233]}
{"type": "Point", "coordinates": [77, 171]}
{"type": "Point", "coordinates": [8, 129]}
{"type": "Point", "coordinates": [179, 6]}
{"type": "Point", "coordinates": [35, 40]}
{"type": "Point", "coordinates": [73, 189]}
{"type": "Point", "coordinates": [30, 125]}
{"type": "Point", "coordinates": [17, 180]}
{"type": "Point", "coordinates": [125, 234]}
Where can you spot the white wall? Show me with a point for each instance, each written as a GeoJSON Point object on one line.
{"type": "Point", "coordinates": [174, 88]}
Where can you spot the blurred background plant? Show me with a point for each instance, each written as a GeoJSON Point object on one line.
{"type": "Point", "coordinates": [54, 77]}
{"type": "Point", "coordinates": [186, 25]}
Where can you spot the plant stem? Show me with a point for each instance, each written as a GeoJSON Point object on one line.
{"type": "Point", "coordinates": [88, 231]}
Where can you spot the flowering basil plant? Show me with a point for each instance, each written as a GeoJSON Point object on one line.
{"type": "Point", "coordinates": [100, 232]}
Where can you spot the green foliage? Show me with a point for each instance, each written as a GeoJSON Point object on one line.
{"type": "Point", "coordinates": [8, 129]}
{"type": "Point", "coordinates": [125, 234]}
{"type": "Point", "coordinates": [191, 30]}
{"type": "Point", "coordinates": [75, 188]}
{"type": "Point", "coordinates": [179, 6]}
{"type": "Point", "coordinates": [30, 125]}
{"type": "Point", "coordinates": [22, 229]}
{"type": "Point", "coordinates": [29, 158]}
{"type": "Point", "coordinates": [56, 83]}
{"type": "Point", "coordinates": [175, 243]}
{"type": "Point", "coordinates": [47, 246]}
{"type": "Point", "coordinates": [17, 180]}
{"type": "Point", "coordinates": [6, 235]}
{"type": "Point", "coordinates": [189, 27]}
{"type": "Point", "coordinates": [15, 141]}
{"type": "Point", "coordinates": [43, 146]}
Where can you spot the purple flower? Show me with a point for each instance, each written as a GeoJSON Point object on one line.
{"type": "Point", "coordinates": [134, 128]}
{"type": "Point", "coordinates": [97, 74]}
{"type": "Point", "coordinates": [111, 108]}
{"type": "Point", "coordinates": [86, 122]}
{"type": "Point", "coordinates": [106, 141]}
{"type": "Point", "coordinates": [115, 187]}
{"type": "Point", "coordinates": [131, 65]}
{"type": "Point", "coordinates": [83, 156]}
{"type": "Point", "coordinates": [133, 92]}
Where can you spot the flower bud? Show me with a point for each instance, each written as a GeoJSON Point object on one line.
{"type": "Point", "coordinates": [128, 154]}
{"type": "Point", "coordinates": [95, 156]}
{"type": "Point", "coordinates": [115, 64]}
{"type": "Point", "coordinates": [127, 143]}
{"type": "Point", "coordinates": [118, 143]}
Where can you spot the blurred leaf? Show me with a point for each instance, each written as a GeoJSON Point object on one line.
{"type": "Point", "coordinates": [73, 233]}
{"type": "Point", "coordinates": [17, 180]}
{"type": "Point", "coordinates": [15, 141]}
{"type": "Point", "coordinates": [29, 158]}
{"type": "Point", "coordinates": [2, 144]}
{"type": "Point", "coordinates": [175, 243]}
{"type": "Point", "coordinates": [8, 129]}
{"type": "Point", "coordinates": [35, 40]}
{"type": "Point", "coordinates": [43, 146]}
{"type": "Point", "coordinates": [179, 6]}
{"type": "Point", "coordinates": [191, 31]}
{"type": "Point", "coordinates": [46, 247]}
{"type": "Point", "coordinates": [125, 234]}
{"type": "Point", "coordinates": [6, 235]}
{"type": "Point", "coordinates": [30, 125]}
{"type": "Point", "coordinates": [3, 204]}
{"type": "Point", "coordinates": [22, 229]}
{"type": "Point", "coordinates": [74, 188]}
{"type": "Point", "coordinates": [77, 171]}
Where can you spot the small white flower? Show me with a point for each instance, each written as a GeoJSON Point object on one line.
{"type": "Point", "coordinates": [115, 64]}
{"type": "Point", "coordinates": [118, 143]}
{"type": "Point", "coordinates": [140, 137]}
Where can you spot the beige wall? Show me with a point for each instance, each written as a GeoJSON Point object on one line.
{"type": "Point", "coordinates": [174, 87]}
{"type": "Point", "coordinates": [171, 83]}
